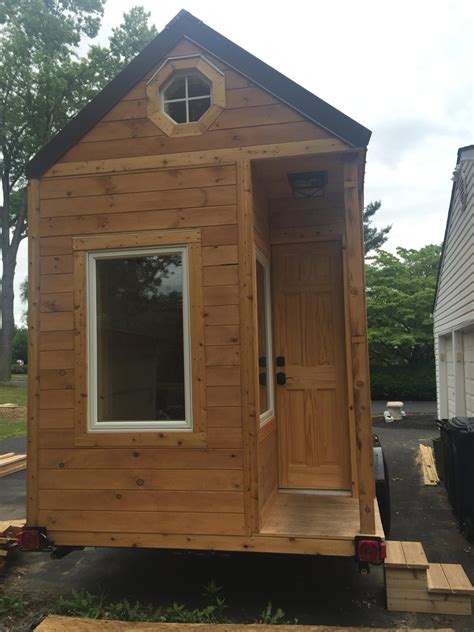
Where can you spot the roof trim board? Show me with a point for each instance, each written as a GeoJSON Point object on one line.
{"type": "Point", "coordinates": [185, 25]}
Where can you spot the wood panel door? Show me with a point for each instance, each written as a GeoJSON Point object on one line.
{"type": "Point", "coordinates": [312, 413]}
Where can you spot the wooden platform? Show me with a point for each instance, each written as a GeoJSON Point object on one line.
{"type": "Point", "coordinates": [311, 515]}
{"type": "Point", "coordinates": [11, 462]}
{"type": "Point", "coordinates": [415, 585]}
{"type": "Point", "coordinates": [55, 623]}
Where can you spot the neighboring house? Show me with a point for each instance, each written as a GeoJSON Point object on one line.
{"type": "Point", "coordinates": [454, 302]}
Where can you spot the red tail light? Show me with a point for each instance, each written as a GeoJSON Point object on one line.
{"type": "Point", "coordinates": [29, 540]}
{"type": "Point", "coordinates": [371, 551]}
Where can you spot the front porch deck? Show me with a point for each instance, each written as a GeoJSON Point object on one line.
{"type": "Point", "coordinates": [308, 515]}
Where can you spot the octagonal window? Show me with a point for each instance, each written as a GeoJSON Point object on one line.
{"type": "Point", "coordinates": [186, 97]}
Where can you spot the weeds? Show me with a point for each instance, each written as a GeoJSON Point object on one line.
{"type": "Point", "coordinates": [84, 604]}
{"type": "Point", "coordinates": [269, 617]}
{"type": "Point", "coordinates": [80, 604]}
{"type": "Point", "coordinates": [10, 605]}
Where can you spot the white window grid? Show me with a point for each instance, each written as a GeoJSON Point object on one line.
{"type": "Point", "coordinates": [186, 99]}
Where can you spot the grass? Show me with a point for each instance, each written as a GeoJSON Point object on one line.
{"type": "Point", "coordinates": [12, 429]}
{"type": "Point", "coordinates": [13, 395]}
{"type": "Point", "coordinates": [85, 604]}
{"type": "Point", "coordinates": [13, 422]}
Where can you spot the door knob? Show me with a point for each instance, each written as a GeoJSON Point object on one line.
{"type": "Point", "coordinates": [281, 378]}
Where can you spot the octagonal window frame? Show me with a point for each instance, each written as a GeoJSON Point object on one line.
{"type": "Point", "coordinates": [160, 81]}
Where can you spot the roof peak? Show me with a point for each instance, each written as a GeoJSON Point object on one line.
{"type": "Point", "coordinates": [186, 25]}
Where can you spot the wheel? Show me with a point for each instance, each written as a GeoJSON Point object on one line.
{"type": "Point", "coordinates": [382, 491]}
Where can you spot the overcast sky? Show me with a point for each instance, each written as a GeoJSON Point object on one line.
{"type": "Point", "coordinates": [403, 69]}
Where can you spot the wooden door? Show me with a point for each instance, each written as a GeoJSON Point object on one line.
{"type": "Point", "coordinates": [311, 409]}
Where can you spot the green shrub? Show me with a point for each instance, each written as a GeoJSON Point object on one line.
{"type": "Point", "coordinates": [403, 382]}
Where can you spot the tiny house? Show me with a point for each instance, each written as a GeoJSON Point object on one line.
{"type": "Point", "coordinates": [198, 374]}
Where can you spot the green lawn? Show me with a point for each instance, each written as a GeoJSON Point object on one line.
{"type": "Point", "coordinates": [13, 422]}
{"type": "Point", "coordinates": [13, 395]}
{"type": "Point", "coordinates": [12, 429]}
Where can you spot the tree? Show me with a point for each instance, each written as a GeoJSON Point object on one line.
{"type": "Point", "coordinates": [43, 84]}
{"type": "Point", "coordinates": [373, 238]}
{"type": "Point", "coordinates": [400, 294]}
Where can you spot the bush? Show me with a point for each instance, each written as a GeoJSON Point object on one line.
{"type": "Point", "coordinates": [403, 382]}
{"type": "Point", "coordinates": [19, 369]}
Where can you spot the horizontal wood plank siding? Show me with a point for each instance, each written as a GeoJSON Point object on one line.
{"type": "Point", "coordinates": [183, 486]}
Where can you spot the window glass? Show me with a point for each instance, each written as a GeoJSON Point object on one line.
{"type": "Point", "coordinates": [140, 339]}
{"type": "Point", "coordinates": [186, 97]}
{"type": "Point", "coordinates": [265, 359]}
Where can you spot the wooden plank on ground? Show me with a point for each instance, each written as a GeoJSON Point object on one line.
{"type": "Point", "coordinates": [12, 463]}
{"type": "Point", "coordinates": [428, 466]}
{"type": "Point", "coordinates": [55, 623]}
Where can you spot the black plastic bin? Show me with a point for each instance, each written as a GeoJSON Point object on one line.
{"type": "Point", "coordinates": [457, 435]}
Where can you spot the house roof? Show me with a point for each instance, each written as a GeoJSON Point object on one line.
{"type": "Point", "coordinates": [186, 25]}
{"type": "Point", "coordinates": [461, 150]}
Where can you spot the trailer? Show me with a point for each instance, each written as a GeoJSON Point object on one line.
{"type": "Point", "coordinates": [198, 373]}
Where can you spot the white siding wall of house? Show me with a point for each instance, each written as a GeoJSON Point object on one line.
{"type": "Point", "coordinates": [454, 309]}
{"type": "Point", "coordinates": [469, 372]}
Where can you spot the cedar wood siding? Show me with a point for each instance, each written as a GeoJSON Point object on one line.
{"type": "Point", "coordinates": [144, 489]}
{"type": "Point", "coordinates": [455, 296]}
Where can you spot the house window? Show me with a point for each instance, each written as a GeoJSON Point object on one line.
{"type": "Point", "coordinates": [139, 341]}
{"type": "Point", "coordinates": [186, 97]}
{"type": "Point", "coordinates": [264, 326]}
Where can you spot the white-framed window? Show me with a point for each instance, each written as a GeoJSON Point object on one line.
{"type": "Point", "coordinates": [265, 345]}
{"type": "Point", "coordinates": [139, 358]}
{"type": "Point", "coordinates": [186, 97]}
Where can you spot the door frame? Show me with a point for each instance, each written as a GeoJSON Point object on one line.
{"type": "Point", "coordinates": [354, 485]}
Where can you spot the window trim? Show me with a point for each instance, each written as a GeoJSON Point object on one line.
{"type": "Point", "coordinates": [186, 99]}
{"type": "Point", "coordinates": [93, 425]}
{"type": "Point", "coordinates": [260, 258]}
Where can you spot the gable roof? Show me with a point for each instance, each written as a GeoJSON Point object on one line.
{"type": "Point", "coordinates": [461, 150]}
{"type": "Point", "coordinates": [186, 25]}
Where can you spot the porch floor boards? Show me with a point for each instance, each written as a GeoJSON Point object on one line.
{"type": "Point", "coordinates": [310, 515]}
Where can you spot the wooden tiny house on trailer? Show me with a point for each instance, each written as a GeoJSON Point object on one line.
{"type": "Point", "coordinates": [198, 342]}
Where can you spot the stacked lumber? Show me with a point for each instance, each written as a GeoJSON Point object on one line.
{"type": "Point", "coordinates": [11, 462]}
{"type": "Point", "coordinates": [415, 585]}
{"type": "Point", "coordinates": [55, 623]}
{"type": "Point", "coordinates": [428, 465]}
{"type": "Point", "coordinates": [8, 538]}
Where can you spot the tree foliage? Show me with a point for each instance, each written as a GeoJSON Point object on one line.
{"type": "Point", "coordinates": [373, 237]}
{"type": "Point", "coordinates": [400, 293]}
{"type": "Point", "coordinates": [43, 83]}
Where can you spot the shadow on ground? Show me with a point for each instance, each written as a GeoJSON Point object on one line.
{"type": "Point", "coordinates": [312, 590]}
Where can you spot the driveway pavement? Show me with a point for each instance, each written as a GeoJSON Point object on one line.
{"type": "Point", "coordinates": [425, 408]}
{"type": "Point", "coordinates": [325, 591]}
{"type": "Point", "coordinates": [13, 486]}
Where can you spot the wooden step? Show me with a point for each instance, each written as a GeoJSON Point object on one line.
{"type": "Point", "coordinates": [448, 579]}
{"type": "Point", "coordinates": [409, 555]}
{"type": "Point", "coordinates": [414, 585]}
